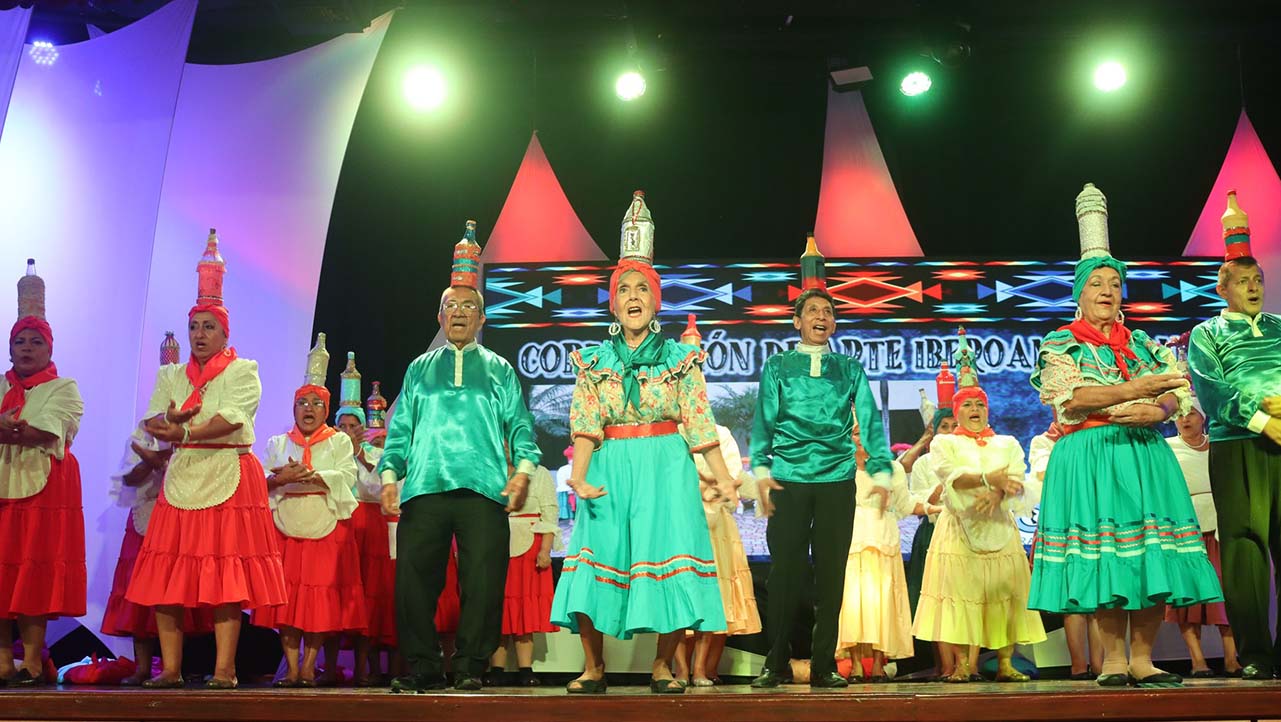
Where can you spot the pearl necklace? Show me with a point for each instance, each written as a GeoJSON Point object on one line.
{"type": "Point", "coordinates": [1203, 443]}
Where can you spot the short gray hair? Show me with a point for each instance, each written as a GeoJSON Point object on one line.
{"type": "Point", "coordinates": [479, 297]}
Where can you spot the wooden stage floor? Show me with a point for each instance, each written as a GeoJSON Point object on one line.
{"type": "Point", "coordinates": [1049, 700]}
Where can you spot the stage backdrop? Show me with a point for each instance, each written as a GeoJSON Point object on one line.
{"type": "Point", "coordinates": [116, 158]}
{"type": "Point", "coordinates": [898, 318]}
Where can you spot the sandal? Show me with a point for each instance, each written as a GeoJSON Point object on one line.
{"type": "Point", "coordinates": [587, 686]}
{"type": "Point", "coordinates": [666, 686]}
{"type": "Point", "coordinates": [1012, 676]}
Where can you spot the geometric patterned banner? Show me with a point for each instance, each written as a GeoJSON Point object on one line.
{"type": "Point", "coordinates": [876, 291]}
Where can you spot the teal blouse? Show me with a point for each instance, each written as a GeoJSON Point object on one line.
{"type": "Point", "coordinates": [456, 409]}
{"type": "Point", "coordinates": [804, 424]}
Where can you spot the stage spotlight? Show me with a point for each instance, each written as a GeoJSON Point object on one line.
{"type": "Point", "coordinates": [43, 52]}
{"type": "Point", "coordinates": [424, 88]}
{"type": "Point", "coordinates": [1109, 76]}
{"type": "Point", "coordinates": [915, 83]}
{"type": "Point", "coordinates": [630, 85]}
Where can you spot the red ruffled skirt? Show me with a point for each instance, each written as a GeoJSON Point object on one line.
{"type": "Point", "coordinates": [42, 548]}
{"type": "Point", "coordinates": [527, 601]}
{"type": "Point", "coordinates": [123, 618]}
{"type": "Point", "coordinates": [377, 571]}
{"type": "Point", "coordinates": [323, 580]}
{"type": "Point", "coordinates": [447, 604]}
{"type": "Point", "coordinates": [226, 554]}
{"type": "Point", "coordinates": [1213, 613]}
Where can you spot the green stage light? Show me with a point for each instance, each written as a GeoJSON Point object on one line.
{"type": "Point", "coordinates": [424, 88]}
{"type": "Point", "coordinates": [1109, 76]}
{"type": "Point", "coordinates": [630, 85]}
{"type": "Point", "coordinates": [915, 83]}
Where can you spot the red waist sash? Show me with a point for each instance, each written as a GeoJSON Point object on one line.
{"type": "Point", "coordinates": [640, 431]}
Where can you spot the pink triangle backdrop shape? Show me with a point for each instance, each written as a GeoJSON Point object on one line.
{"type": "Point", "coordinates": [859, 211]}
{"type": "Point", "coordinates": [1248, 169]}
{"type": "Point", "coordinates": [537, 222]}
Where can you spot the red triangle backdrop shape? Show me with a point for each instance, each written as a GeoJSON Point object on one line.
{"type": "Point", "coordinates": [1247, 169]}
{"type": "Point", "coordinates": [537, 223]}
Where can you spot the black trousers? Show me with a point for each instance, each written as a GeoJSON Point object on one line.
{"type": "Point", "coordinates": [428, 524]}
{"type": "Point", "coordinates": [817, 518]}
{"type": "Point", "coordinates": [1245, 478]}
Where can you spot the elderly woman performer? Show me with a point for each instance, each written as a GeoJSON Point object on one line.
{"type": "Point", "coordinates": [976, 580]}
{"type": "Point", "coordinates": [1118, 535]}
{"type": "Point", "coordinates": [640, 558]}
{"type": "Point", "coordinates": [42, 537]}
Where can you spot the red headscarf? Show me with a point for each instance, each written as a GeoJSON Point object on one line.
{"type": "Point", "coordinates": [1118, 341]}
{"type": "Point", "coordinates": [219, 312]}
{"type": "Point", "coordinates": [320, 391]}
{"type": "Point", "coordinates": [31, 322]}
{"type": "Point", "coordinates": [960, 397]}
{"type": "Point", "coordinates": [16, 396]}
{"type": "Point", "coordinates": [646, 270]}
{"type": "Point", "coordinates": [324, 432]}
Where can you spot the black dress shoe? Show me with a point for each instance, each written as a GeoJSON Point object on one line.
{"type": "Point", "coordinates": [1250, 671]}
{"type": "Point", "coordinates": [1113, 680]}
{"type": "Point", "coordinates": [415, 683]}
{"type": "Point", "coordinates": [525, 677]}
{"type": "Point", "coordinates": [770, 679]}
{"type": "Point", "coordinates": [828, 680]}
{"type": "Point", "coordinates": [1203, 674]}
{"type": "Point", "coordinates": [496, 677]}
{"type": "Point", "coordinates": [467, 683]}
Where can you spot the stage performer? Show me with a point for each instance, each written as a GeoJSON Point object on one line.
{"type": "Point", "coordinates": [527, 601]}
{"type": "Point", "coordinates": [803, 452]}
{"type": "Point", "coordinates": [42, 537]}
{"type": "Point", "coordinates": [137, 484]}
{"type": "Point", "coordinates": [1117, 535]}
{"type": "Point", "coordinates": [927, 492]}
{"type": "Point", "coordinates": [876, 617]}
{"type": "Point", "coordinates": [458, 405]}
{"type": "Point", "coordinates": [1081, 631]}
{"type": "Point", "coordinates": [1191, 446]}
{"type": "Point", "coordinates": [210, 542]}
{"type": "Point", "coordinates": [976, 574]}
{"type": "Point", "coordinates": [698, 655]}
{"type": "Point", "coordinates": [640, 558]}
{"type": "Point", "coordinates": [372, 532]}
{"type": "Point", "coordinates": [312, 472]}
{"type": "Point", "coordinates": [1235, 360]}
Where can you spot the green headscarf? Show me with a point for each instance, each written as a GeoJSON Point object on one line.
{"type": "Point", "coordinates": [649, 353]}
{"type": "Point", "coordinates": [939, 415]}
{"type": "Point", "coordinates": [1086, 266]}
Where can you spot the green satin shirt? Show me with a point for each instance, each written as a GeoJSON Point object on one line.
{"type": "Point", "coordinates": [1233, 369]}
{"type": "Point", "coordinates": [804, 424]}
{"type": "Point", "coordinates": [455, 411]}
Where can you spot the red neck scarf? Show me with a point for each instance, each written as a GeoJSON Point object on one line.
{"type": "Point", "coordinates": [1118, 341]}
{"type": "Point", "coordinates": [200, 377]}
{"type": "Point", "coordinates": [16, 396]}
{"type": "Point", "coordinates": [306, 442]}
{"type": "Point", "coordinates": [980, 437]}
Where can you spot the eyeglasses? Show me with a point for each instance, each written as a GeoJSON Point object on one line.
{"type": "Point", "coordinates": [305, 404]}
{"type": "Point", "coordinates": [467, 306]}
